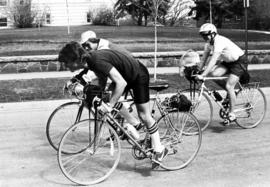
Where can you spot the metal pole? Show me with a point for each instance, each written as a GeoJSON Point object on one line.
{"type": "Point", "coordinates": [246, 28]}
{"type": "Point", "coordinates": [68, 28]}
{"type": "Point", "coordinates": [210, 11]}
{"type": "Point", "coordinates": [246, 5]}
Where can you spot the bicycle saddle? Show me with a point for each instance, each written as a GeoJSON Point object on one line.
{"type": "Point", "coordinates": [158, 86]}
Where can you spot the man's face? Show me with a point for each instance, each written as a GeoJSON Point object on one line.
{"type": "Point", "coordinates": [206, 36]}
{"type": "Point", "coordinates": [75, 65]}
{"type": "Point", "coordinates": [88, 46]}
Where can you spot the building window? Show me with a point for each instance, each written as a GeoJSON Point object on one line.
{"type": "Point", "coordinates": [48, 18]}
{"type": "Point", "coordinates": [238, 18]}
{"type": "Point", "coordinates": [3, 22]}
{"type": "Point", "coordinates": [3, 2]}
{"type": "Point", "coordinates": [227, 19]}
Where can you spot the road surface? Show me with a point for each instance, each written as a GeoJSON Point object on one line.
{"type": "Point", "coordinates": [229, 156]}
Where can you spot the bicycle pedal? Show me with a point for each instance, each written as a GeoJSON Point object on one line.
{"type": "Point", "coordinates": [225, 123]}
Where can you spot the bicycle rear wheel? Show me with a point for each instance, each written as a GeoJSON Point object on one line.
{"type": "Point", "coordinates": [202, 109]}
{"type": "Point", "coordinates": [62, 118]}
{"type": "Point", "coordinates": [95, 152]}
{"type": "Point", "coordinates": [183, 139]}
{"type": "Point", "coordinates": [250, 107]}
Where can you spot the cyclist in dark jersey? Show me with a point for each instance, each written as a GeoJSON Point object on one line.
{"type": "Point", "coordinates": [126, 73]}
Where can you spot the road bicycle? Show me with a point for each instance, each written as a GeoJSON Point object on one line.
{"type": "Point", "coordinates": [64, 116]}
{"type": "Point", "coordinates": [70, 113]}
{"type": "Point", "coordinates": [67, 114]}
{"type": "Point", "coordinates": [90, 150]}
{"type": "Point", "coordinates": [250, 107]}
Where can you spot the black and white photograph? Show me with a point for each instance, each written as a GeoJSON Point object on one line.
{"type": "Point", "coordinates": [139, 93]}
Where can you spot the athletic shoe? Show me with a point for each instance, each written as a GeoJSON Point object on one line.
{"type": "Point", "coordinates": [231, 118]}
{"type": "Point", "coordinates": [158, 157]}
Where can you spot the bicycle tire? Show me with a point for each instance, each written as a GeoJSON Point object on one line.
{"type": "Point", "coordinates": [183, 139]}
{"type": "Point", "coordinates": [61, 119]}
{"type": "Point", "coordinates": [251, 104]}
{"type": "Point", "coordinates": [203, 110]}
{"type": "Point", "coordinates": [87, 166]}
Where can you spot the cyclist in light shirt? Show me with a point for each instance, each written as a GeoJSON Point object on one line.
{"type": "Point", "coordinates": [231, 58]}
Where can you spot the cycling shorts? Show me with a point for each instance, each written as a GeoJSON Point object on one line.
{"type": "Point", "coordinates": [238, 67]}
{"type": "Point", "coordinates": [140, 86]}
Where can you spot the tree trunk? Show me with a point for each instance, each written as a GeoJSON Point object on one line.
{"type": "Point", "coordinates": [219, 21]}
{"type": "Point", "coordinates": [139, 22]}
{"type": "Point", "coordinates": [145, 20]}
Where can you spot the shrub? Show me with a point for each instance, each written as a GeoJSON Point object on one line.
{"type": "Point", "coordinates": [104, 17]}
{"type": "Point", "coordinates": [22, 14]}
{"type": "Point", "coordinates": [259, 23]}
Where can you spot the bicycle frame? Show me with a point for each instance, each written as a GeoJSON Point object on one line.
{"type": "Point", "coordinates": [114, 123]}
{"type": "Point", "coordinates": [204, 88]}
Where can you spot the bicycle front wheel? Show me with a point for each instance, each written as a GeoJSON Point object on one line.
{"type": "Point", "coordinates": [202, 107]}
{"type": "Point", "coordinates": [62, 118]}
{"type": "Point", "coordinates": [250, 107]}
{"type": "Point", "coordinates": [95, 152]}
{"type": "Point", "coordinates": [183, 139]}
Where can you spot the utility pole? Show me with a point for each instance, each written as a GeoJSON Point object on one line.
{"type": "Point", "coordinates": [210, 3]}
{"type": "Point", "coordinates": [68, 26]}
{"type": "Point", "coordinates": [246, 5]}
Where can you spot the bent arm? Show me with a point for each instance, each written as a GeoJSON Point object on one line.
{"type": "Point", "coordinates": [211, 64]}
{"type": "Point", "coordinates": [204, 58]}
{"type": "Point", "coordinates": [120, 85]}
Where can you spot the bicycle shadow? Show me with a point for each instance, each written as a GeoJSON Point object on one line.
{"type": "Point", "coordinates": [130, 164]}
{"type": "Point", "coordinates": [218, 127]}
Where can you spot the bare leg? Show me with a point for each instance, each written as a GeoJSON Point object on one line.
{"type": "Point", "coordinates": [220, 71]}
{"type": "Point", "coordinates": [231, 82]}
{"type": "Point", "coordinates": [145, 115]}
{"type": "Point", "coordinates": [129, 117]}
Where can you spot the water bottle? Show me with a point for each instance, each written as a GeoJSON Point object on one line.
{"type": "Point", "coordinates": [132, 131]}
{"type": "Point", "coordinates": [217, 96]}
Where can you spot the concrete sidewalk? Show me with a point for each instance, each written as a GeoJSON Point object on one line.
{"type": "Point", "coordinates": [66, 74]}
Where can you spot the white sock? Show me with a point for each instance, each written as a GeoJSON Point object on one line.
{"type": "Point", "coordinates": [158, 147]}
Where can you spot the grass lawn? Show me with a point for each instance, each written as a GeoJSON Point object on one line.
{"type": "Point", "coordinates": [47, 89]}
{"type": "Point", "coordinates": [48, 40]}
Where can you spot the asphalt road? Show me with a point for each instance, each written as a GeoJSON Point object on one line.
{"type": "Point", "coordinates": [229, 156]}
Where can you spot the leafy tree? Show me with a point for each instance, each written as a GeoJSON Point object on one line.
{"type": "Point", "coordinates": [220, 9]}
{"type": "Point", "coordinates": [139, 9]}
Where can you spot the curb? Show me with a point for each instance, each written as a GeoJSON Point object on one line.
{"type": "Point", "coordinates": [68, 74]}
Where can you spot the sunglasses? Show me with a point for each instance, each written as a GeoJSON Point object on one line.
{"type": "Point", "coordinates": [86, 46]}
{"type": "Point", "coordinates": [203, 34]}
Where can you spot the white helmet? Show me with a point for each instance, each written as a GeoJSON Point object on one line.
{"type": "Point", "coordinates": [208, 28]}
{"type": "Point", "coordinates": [87, 35]}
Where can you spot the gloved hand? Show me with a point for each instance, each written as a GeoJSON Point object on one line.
{"type": "Point", "coordinates": [104, 108]}
{"type": "Point", "coordinates": [66, 87]}
{"type": "Point", "coordinates": [199, 77]}
{"type": "Point", "coordinates": [78, 90]}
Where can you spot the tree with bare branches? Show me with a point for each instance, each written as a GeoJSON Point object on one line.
{"type": "Point", "coordinates": [179, 9]}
